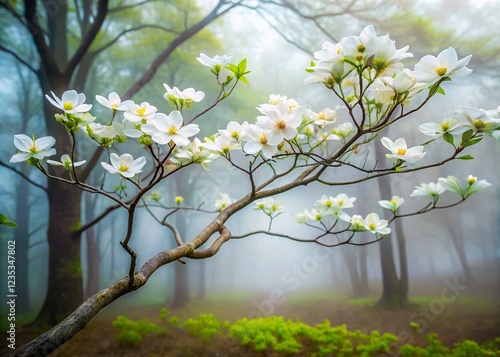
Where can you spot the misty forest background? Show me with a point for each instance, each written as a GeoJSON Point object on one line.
{"type": "Point", "coordinates": [461, 243]}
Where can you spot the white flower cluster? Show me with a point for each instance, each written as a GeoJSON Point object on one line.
{"type": "Point", "coordinates": [329, 206]}
{"type": "Point", "coordinates": [358, 62]}
{"type": "Point", "coordinates": [365, 71]}
{"type": "Point", "coordinates": [477, 120]}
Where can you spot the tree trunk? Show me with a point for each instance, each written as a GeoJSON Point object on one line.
{"type": "Point", "coordinates": [403, 262]}
{"type": "Point", "coordinates": [392, 295]}
{"type": "Point", "coordinates": [65, 285]}
{"type": "Point", "coordinates": [93, 254]}
{"type": "Point", "coordinates": [202, 284]}
{"type": "Point", "coordinates": [181, 286]}
{"type": "Point", "coordinates": [181, 277]}
{"type": "Point", "coordinates": [395, 290]}
{"type": "Point", "coordinates": [458, 244]}
{"type": "Point", "coordinates": [351, 261]}
{"type": "Point", "coordinates": [363, 270]}
{"type": "Point", "coordinates": [22, 238]}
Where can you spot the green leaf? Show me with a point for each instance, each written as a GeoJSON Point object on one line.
{"type": "Point", "coordinates": [5, 221]}
{"type": "Point", "coordinates": [440, 91]}
{"type": "Point", "coordinates": [466, 157]}
{"type": "Point", "coordinates": [233, 68]}
{"type": "Point", "coordinates": [428, 142]}
{"type": "Point", "coordinates": [433, 89]}
{"type": "Point", "coordinates": [244, 80]}
{"type": "Point", "coordinates": [473, 141]}
{"type": "Point", "coordinates": [466, 136]}
{"type": "Point", "coordinates": [448, 138]}
{"type": "Point", "coordinates": [242, 65]}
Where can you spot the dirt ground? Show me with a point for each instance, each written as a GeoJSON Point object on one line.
{"type": "Point", "coordinates": [467, 317]}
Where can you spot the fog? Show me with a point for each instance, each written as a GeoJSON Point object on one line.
{"type": "Point", "coordinates": [260, 266]}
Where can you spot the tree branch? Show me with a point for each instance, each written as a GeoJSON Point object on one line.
{"type": "Point", "coordinates": [183, 37]}
{"type": "Point", "coordinates": [125, 7]}
{"type": "Point", "coordinates": [46, 56]}
{"type": "Point", "coordinates": [23, 176]}
{"type": "Point", "coordinates": [124, 32]}
{"type": "Point", "coordinates": [214, 248]}
{"type": "Point", "coordinates": [102, 10]}
{"type": "Point", "coordinates": [17, 57]}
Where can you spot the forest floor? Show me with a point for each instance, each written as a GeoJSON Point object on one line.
{"type": "Point", "coordinates": [468, 316]}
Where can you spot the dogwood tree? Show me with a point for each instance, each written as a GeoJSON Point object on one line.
{"type": "Point", "coordinates": [289, 145]}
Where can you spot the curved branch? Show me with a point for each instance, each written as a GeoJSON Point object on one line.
{"type": "Point", "coordinates": [183, 37]}
{"type": "Point", "coordinates": [214, 248]}
{"type": "Point", "coordinates": [283, 35]}
{"type": "Point", "coordinates": [17, 57]}
{"type": "Point", "coordinates": [175, 231]}
{"type": "Point", "coordinates": [95, 220]}
{"type": "Point", "coordinates": [24, 176]}
{"type": "Point", "coordinates": [125, 7]}
{"type": "Point", "coordinates": [46, 56]}
{"type": "Point", "coordinates": [102, 10]}
{"type": "Point", "coordinates": [137, 28]}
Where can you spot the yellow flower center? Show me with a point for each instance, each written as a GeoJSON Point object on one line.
{"type": "Point", "coordinates": [479, 124]}
{"type": "Point", "coordinates": [172, 130]}
{"type": "Point", "coordinates": [114, 106]}
{"type": "Point", "coordinates": [321, 115]}
{"type": "Point", "coordinates": [123, 168]}
{"type": "Point", "coordinates": [361, 48]}
{"type": "Point", "coordinates": [441, 71]}
{"type": "Point", "coordinates": [225, 149]}
{"type": "Point", "coordinates": [328, 203]}
{"type": "Point", "coordinates": [401, 151]}
{"type": "Point", "coordinates": [393, 202]}
{"type": "Point", "coordinates": [445, 126]}
{"type": "Point", "coordinates": [263, 139]}
{"type": "Point", "coordinates": [68, 106]}
{"type": "Point", "coordinates": [33, 149]}
{"type": "Point", "coordinates": [359, 57]}
{"type": "Point", "coordinates": [318, 217]}
{"type": "Point", "coordinates": [379, 65]}
{"type": "Point", "coordinates": [281, 124]}
{"type": "Point", "coordinates": [235, 134]}
{"type": "Point", "coordinates": [471, 180]}
{"type": "Point", "coordinates": [141, 110]}
{"type": "Point", "coordinates": [372, 226]}
{"type": "Point", "coordinates": [341, 202]}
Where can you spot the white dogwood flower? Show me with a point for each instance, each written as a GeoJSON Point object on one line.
{"type": "Point", "coordinates": [71, 102]}
{"type": "Point", "coordinates": [223, 201]}
{"type": "Point", "coordinates": [114, 102]}
{"type": "Point", "coordinates": [166, 128]}
{"type": "Point", "coordinates": [125, 165]}
{"type": "Point", "coordinates": [374, 224]}
{"type": "Point", "coordinates": [446, 64]}
{"type": "Point", "coordinates": [32, 148]}
{"type": "Point", "coordinates": [400, 151]}
{"type": "Point", "coordinates": [66, 162]}
{"type": "Point", "coordinates": [393, 204]}
{"type": "Point", "coordinates": [428, 189]}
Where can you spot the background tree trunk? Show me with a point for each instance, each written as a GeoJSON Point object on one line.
{"type": "Point", "coordinates": [93, 253]}
{"type": "Point", "coordinates": [395, 290]}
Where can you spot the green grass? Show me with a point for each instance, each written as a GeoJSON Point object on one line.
{"type": "Point", "coordinates": [279, 337]}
